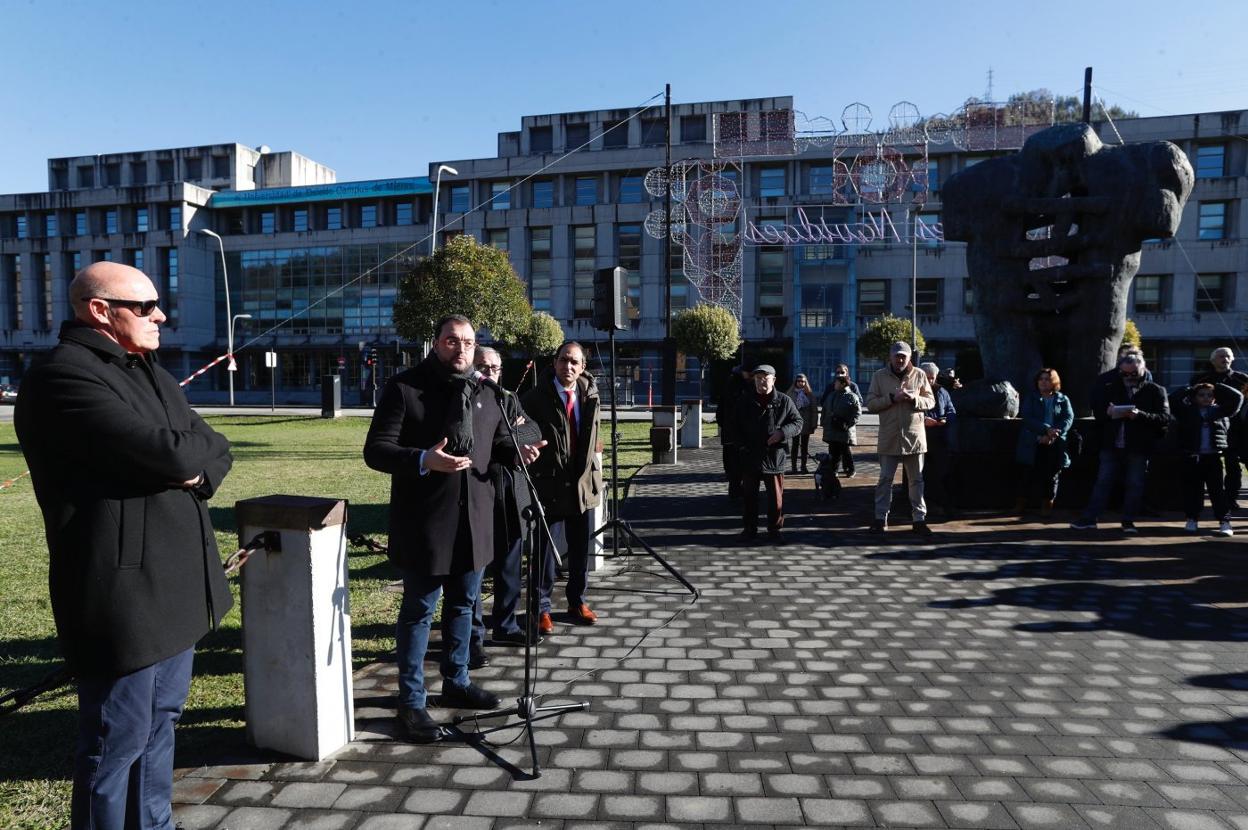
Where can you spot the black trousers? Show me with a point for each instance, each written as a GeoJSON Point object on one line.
{"type": "Point", "coordinates": [775, 500]}
{"type": "Point", "coordinates": [732, 467]}
{"type": "Point", "coordinates": [842, 456]}
{"type": "Point", "coordinates": [1233, 480]}
{"type": "Point", "coordinates": [1201, 472]}
{"type": "Point", "coordinates": [799, 451]}
{"type": "Point", "coordinates": [1043, 474]}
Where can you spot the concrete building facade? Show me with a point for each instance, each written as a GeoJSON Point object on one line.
{"type": "Point", "coordinates": [316, 263]}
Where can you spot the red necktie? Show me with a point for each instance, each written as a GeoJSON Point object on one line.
{"type": "Point", "coordinates": [570, 408]}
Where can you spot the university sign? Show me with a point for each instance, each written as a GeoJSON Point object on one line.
{"type": "Point", "coordinates": [875, 226]}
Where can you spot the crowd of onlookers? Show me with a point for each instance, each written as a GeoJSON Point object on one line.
{"type": "Point", "coordinates": [766, 432]}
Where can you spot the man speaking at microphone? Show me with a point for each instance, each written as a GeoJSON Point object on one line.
{"type": "Point", "coordinates": [435, 431]}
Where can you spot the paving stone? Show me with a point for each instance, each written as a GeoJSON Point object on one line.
{"type": "Point", "coordinates": [565, 805]}
{"type": "Point", "coordinates": [794, 784]}
{"type": "Point", "coordinates": [497, 804]}
{"type": "Point", "coordinates": [245, 792]}
{"type": "Point", "coordinates": [1187, 820]}
{"type": "Point", "coordinates": [370, 798]}
{"type": "Point", "coordinates": [1031, 816]}
{"type": "Point", "coordinates": [308, 794]}
{"type": "Point", "coordinates": [256, 818]}
{"type": "Point", "coordinates": [667, 783]}
{"type": "Point", "coordinates": [326, 819]}
{"type": "Point", "coordinates": [458, 823]}
{"type": "Point", "coordinates": [1116, 817]}
{"type": "Point", "coordinates": [632, 807]}
{"type": "Point", "coordinates": [187, 790]}
{"type": "Point", "coordinates": [699, 809]}
{"type": "Point", "coordinates": [836, 812]}
{"type": "Point", "coordinates": [198, 816]}
{"type": "Point", "coordinates": [976, 814]}
{"type": "Point", "coordinates": [434, 801]}
{"type": "Point", "coordinates": [907, 814]}
{"type": "Point", "coordinates": [768, 810]}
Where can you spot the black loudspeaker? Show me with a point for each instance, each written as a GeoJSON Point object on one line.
{"type": "Point", "coordinates": [610, 299]}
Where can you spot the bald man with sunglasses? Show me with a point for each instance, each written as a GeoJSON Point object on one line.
{"type": "Point", "coordinates": [123, 469]}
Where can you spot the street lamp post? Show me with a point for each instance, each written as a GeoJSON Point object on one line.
{"type": "Point", "coordinates": [229, 326]}
{"type": "Point", "coordinates": [232, 366]}
{"type": "Point", "coordinates": [437, 186]}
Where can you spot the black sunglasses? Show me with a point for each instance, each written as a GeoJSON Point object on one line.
{"type": "Point", "coordinates": [141, 308]}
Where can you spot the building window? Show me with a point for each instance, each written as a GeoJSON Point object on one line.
{"type": "Point", "coordinates": [1148, 294]}
{"type": "Point", "coordinates": [1211, 161]}
{"type": "Point", "coordinates": [164, 170]}
{"type": "Point", "coordinates": [968, 297]}
{"type": "Point", "coordinates": [86, 176]}
{"type": "Point", "coordinates": [134, 256]}
{"type": "Point", "coordinates": [299, 218]}
{"type": "Point", "coordinates": [1212, 224]}
{"type": "Point", "coordinates": [333, 219]}
{"type": "Point", "coordinates": [220, 167]}
{"type": "Point", "coordinates": [586, 190]}
{"type": "Point", "coordinates": [81, 228]}
{"type": "Point", "coordinates": [771, 181]}
{"type": "Point", "coordinates": [268, 221]}
{"type": "Point", "coordinates": [822, 180]}
{"type": "Point", "coordinates": [194, 169]}
{"type": "Point", "coordinates": [368, 216]}
{"type": "Point", "coordinates": [933, 176]}
{"type": "Point", "coordinates": [927, 296]}
{"type": "Point", "coordinates": [631, 190]}
{"type": "Point", "coordinates": [584, 258]}
{"type": "Point", "coordinates": [500, 195]}
{"type": "Point", "coordinates": [138, 172]}
{"type": "Point", "coordinates": [822, 305]}
{"type": "Point", "coordinates": [771, 275]}
{"type": "Point", "coordinates": [1212, 292]}
{"type": "Point", "coordinates": [175, 218]}
{"type": "Point", "coordinates": [13, 290]}
{"type": "Point", "coordinates": [681, 287]}
{"type": "Point", "coordinates": [461, 199]}
{"type": "Point", "coordinates": [872, 297]}
{"type": "Point", "coordinates": [539, 268]}
{"type": "Point", "coordinates": [22, 230]}
{"type": "Point", "coordinates": [693, 129]}
{"type": "Point", "coordinates": [497, 238]}
{"type": "Point", "coordinates": [169, 302]}
{"type": "Point", "coordinates": [105, 255]}
{"type": "Point", "coordinates": [50, 228]}
{"type": "Point", "coordinates": [653, 132]}
{"type": "Point", "coordinates": [110, 221]}
{"type": "Point", "coordinates": [628, 255]}
{"type": "Point", "coordinates": [614, 135]}
{"type": "Point", "coordinates": [541, 139]}
{"type": "Point", "coordinates": [403, 213]}
{"type": "Point", "coordinates": [543, 194]}
{"type": "Point", "coordinates": [43, 292]}
{"type": "Point", "coordinates": [140, 220]}
{"type": "Point", "coordinates": [73, 263]}
{"type": "Point", "coordinates": [112, 174]}
{"type": "Point", "coordinates": [576, 136]}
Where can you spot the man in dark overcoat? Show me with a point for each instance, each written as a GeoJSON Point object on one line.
{"type": "Point", "coordinates": [738, 386]}
{"type": "Point", "coordinates": [435, 431]}
{"type": "Point", "coordinates": [122, 469]}
{"type": "Point", "coordinates": [568, 476]}
{"type": "Point", "coordinates": [766, 421]}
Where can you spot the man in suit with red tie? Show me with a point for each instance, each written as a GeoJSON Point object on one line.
{"type": "Point", "coordinates": [568, 474]}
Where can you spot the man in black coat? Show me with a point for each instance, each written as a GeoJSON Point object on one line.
{"type": "Point", "coordinates": [435, 431]}
{"type": "Point", "coordinates": [1133, 413]}
{"type": "Point", "coordinates": [739, 385]}
{"type": "Point", "coordinates": [122, 469]}
{"type": "Point", "coordinates": [1236, 453]}
{"type": "Point", "coordinates": [766, 421]}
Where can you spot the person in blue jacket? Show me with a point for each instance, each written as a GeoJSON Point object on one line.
{"type": "Point", "coordinates": [1047, 418]}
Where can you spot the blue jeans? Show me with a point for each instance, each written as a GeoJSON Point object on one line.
{"type": "Point", "coordinates": [1115, 463]}
{"type": "Point", "coordinates": [420, 598]}
{"type": "Point", "coordinates": [123, 767]}
{"type": "Point", "coordinates": [576, 562]}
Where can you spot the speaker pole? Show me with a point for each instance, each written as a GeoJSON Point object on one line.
{"type": "Point", "coordinates": [669, 346]}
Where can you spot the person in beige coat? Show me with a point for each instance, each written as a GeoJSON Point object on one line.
{"type": "Point", "coordinates": [900, 394]}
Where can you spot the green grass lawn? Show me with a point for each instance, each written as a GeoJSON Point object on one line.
{"type": "Point", "coordinates": [304, 456]}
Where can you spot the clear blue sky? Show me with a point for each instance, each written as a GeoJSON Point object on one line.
{"type": "Point", "coordinates": [382, 88]}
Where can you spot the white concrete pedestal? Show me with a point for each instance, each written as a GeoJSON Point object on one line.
{"type": "Point", "coordinates": [691, 424]}
{"type": "Point", "coordinates": [297, 627]}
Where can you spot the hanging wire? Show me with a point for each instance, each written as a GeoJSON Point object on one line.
{"type": "Point", "coordinates": [644, 107]}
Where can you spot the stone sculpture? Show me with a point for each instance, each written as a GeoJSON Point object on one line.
{"type": "Point", "coordinates": [1053, 237]}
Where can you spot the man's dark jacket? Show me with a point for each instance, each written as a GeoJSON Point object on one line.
{"type": "Point", "coordinates": [726, 411]}
{"type": "Point", "coordinates": [510, 498]}
{"type": "Point", "coordinates": [1237, 436]}
{"type": "Point", "coordinates": [756, 421]}
{"type": "Point", "coordinates": [425, 510]}
{"type": "Point", "coordinates": [567, 486]}
{"type": "Point", "coordinates": [1189, 420]}
{"type": "Point", "coordinates": [135, 576]}
{"type": "Point", "coordinates": [1143, 433]}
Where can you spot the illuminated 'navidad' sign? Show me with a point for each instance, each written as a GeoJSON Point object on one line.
{"type": "Point", "coordinates": [876, 226]}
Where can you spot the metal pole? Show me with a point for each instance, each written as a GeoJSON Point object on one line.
{"type": "Point", "coordinates": [615, 451]}
{"type": "Point", "coordinates": [433, 217]}
{"type": "Point", "coordinates": [914, 282]}
{"type": "Point", "coordinates": [229, 319]}
{"type": "Point", "coordinates": [1087, 95]}
{"type": "Point", "coordinates": [669, 346]}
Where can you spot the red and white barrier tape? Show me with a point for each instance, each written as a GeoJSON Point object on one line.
{"type": "Point", "coordinates": [199, 372]}
{"type": "Point", "coordinates": [9, 482]}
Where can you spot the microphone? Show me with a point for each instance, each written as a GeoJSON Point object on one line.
{"type": "Point", "coordinates": [489, 384]}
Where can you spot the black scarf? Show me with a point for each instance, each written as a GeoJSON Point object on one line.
{"type": "Point", "coordinates": [458, 424]}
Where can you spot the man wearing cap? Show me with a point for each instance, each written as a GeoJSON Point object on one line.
{"type": "Point", "coordinates": [1219, 371]}
{"type": "Point", "coordinates": [900, 394]}
{"type": "Point", "coordinates": [765, 421]}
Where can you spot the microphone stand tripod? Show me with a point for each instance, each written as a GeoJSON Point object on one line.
{"type": "Point", "coordinates": [538, 536]}
{"type": "Point", "coordinates": [615, 524]}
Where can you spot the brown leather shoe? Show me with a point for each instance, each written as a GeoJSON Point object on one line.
{"type": "Point", "coordinates": [581, 615]}
{"type": "Point", "coordinates": [545, 625]}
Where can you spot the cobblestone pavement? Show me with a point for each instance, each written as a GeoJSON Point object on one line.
{"type": "Point", "coordinates": [1005, 675]}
